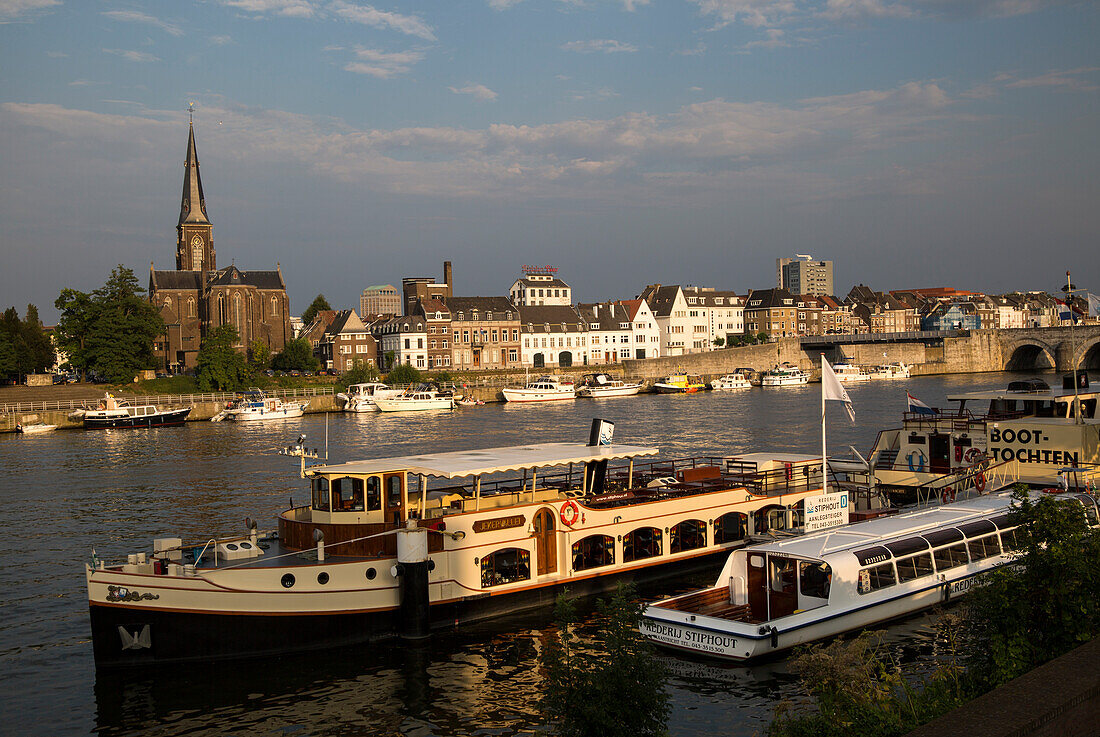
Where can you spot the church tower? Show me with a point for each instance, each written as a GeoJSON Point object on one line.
{"type": "Point", "coordinates": [195, 234]}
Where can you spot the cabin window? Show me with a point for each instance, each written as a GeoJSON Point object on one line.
{"type": "Point", "coordinates": [320, 494]}
{"type": "Point", "coordinates": [907, 546]}
{"type": "Point", "coordinates": [914, 566]}
{"type": "Point", "coordinates": [641, 543]}
{"type": "Point", "coordinates": [374, 493]}
{"type": "Point", "coordinates": [872, 555]}
{"type": "Point", "coordinates": [347, 495]}
{"type": "Point", "coordinates": [876, 577]}
{"type": "Point", "coordinates": [814, 579]}
{"type": "Point", "coordinates": [781, 574]}
{"type": "Point", "coordinates": [593, 551]}
{"type": "Point", "coordinates": [730, 527]}
{"type": "Point", "coordinates": [950, 557]}
{"type": "Point", "coordinates": [984, 547]}
{"type": "Point", "coordinates": [393, 491]}
{"type": "Point", "coordinates": [688, 535]}
{"type": "Point", "coordinates": [505, 566]}
{"type": "Point", "coordinates": [1012, 539]}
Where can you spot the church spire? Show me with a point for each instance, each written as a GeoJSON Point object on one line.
{"type": "Point", "coordinates": [195, 244]}
{"type": "Point", "coordinates": [192, 206]}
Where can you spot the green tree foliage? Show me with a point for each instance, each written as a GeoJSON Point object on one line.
{"type": "Point", "coordinates": [719, 342]}
{"type": "Point", "coordinates": [41, 355]}
{"type": "Point", "coordinates": [360, 374]}
{"type": "Point", "coordinates": [615, 687]}
{"type": "Point", "coordinates": [297, 355]}
{"type": "Point", "coordinates": [259, 355]}
{"type": "Point", "coordinates": [404, 374]}
{"type": "Point", "coordinates": [110, 331]}
{"type": "Point", "coordinates": [318, 304]}
{"type": "Point", "coordinates": [219, 367]}
{"type": "Point", "coordinates": [14, 356]}
{"type": "Point", "coordinates": [9, 361]}
{"type": "Point", "coordinates": [1045, 604]}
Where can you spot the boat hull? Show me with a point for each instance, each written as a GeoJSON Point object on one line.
{"type": "Point", "coordinates": [160, 419]}
{"type": "Point", "coordinates": [605, 392]}
{"type": "Point", "coordinates": [414, 405]}
{"type": "Point", "coordinates": [523, 395]}
{"type": "Point", "coordinates": [267, 415]}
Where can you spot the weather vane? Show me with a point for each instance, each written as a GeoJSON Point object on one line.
{"type": "Point", "coordinates": [190, 112]}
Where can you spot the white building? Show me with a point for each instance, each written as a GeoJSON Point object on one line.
{"type": "Point", "coordinates": [677, 327]}
{"type": "Point", "coordinates": [610, 335]}
{"type": "Point", "coordinates": [403, 340]}
{"type": "Point", "coordinates": [643, 326]}
{"type": "Point", "coordinates": [715, 315]}
{"type": "Point", "coordinates": [540, 287]}
{"type": "Point", "coordinates": [552, 336]}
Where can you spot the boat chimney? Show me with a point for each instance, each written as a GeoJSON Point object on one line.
{"type": "Point", "coordinates": [412, 577]}
{"type": "Point", "coordinates": [596, 471]}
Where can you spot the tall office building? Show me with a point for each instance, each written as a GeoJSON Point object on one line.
{"type": "Point", "coordinates": [803, 275]}
{"type": "Point", "coordinates": [383, 299]}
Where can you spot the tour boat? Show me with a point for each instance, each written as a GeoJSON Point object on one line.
{"type": "Point", "coordinates": [847, 373]}
{"type": "Point", "coordinates": [402, 545]}
{"type": "Point", "coordinates": [112, 412]}
{"type": "Point", "coordinates": [360, 397]}
{"type": "Point", "coordinates": [416, 400]}
{"type": "Point", "coordinates": [731, 381]}
{"type": "Point", "coordinates": [679, 384]}
{"type": "Point", "coordinates": [890, 371]}
{"type": "Point", "coordinates": [777, 595]}
{"type": "Point", "coordinates": [255, 406]}
{"type": "Point", "coordinates": [542, 389]}
{"type": "Point", "coordinates": [598, 386]}
{"type": "Point", "coordinates": [1039, 430]}
{"type": "Point", "coordinates": [785, 375]}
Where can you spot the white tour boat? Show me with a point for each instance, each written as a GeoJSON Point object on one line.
{"type": "Point", "coordinates": [775, 596]}
{"type": "Point", "coordinates": [112, 412]}
{"type": "Point", "coordinates": [731, 381]}
{"type": "Point", "coordinates": [402, 545]}
{"type": "Point", "coordinates": [360, 397]}
{"type": "Point", "coordinates": [254, 406]}
{"type": "Point", "coordinates": [890, 371]}
{"type": "Point", "coordinates": [847, 373]}
{"type": "Point", "coordinates": [542, 389]}
{"type": "Point", "coordinates": [598, 386]}
{"type": "Point", "coordinates": [415, 400]}
{"type": "Point", "coordinates": [785, 375]}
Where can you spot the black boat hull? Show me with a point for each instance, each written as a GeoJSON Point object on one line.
{"type": "Point", "coordinates": [160, 419]}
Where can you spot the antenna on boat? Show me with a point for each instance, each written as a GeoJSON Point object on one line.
{"type": "Point", "coordinates": [299, 450]}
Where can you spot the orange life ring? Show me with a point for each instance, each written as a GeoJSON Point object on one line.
{"type": "Point", "coordinates": [570, 513]}
{"type": "Point", "coordinates": [948, 495]}
{"type": "Point", "coordinates": [979, 482]}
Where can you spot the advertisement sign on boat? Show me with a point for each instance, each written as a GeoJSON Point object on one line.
{"type": "Point", "coordinates": [826, 510]}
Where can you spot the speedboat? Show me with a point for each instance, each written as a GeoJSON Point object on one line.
{"type": "Point", "coordinates": [34, 428]}
{"type": "Point", "coordinates": [847, 373]}
{"type": "Point", "coordinates": [731, 381]}
{"type": "Point", "coordinates": [542, 389]}
{"type": "Point", "coordinates": [360, 397]}
{"type": "Point", "coordinates": [679, 384]}
{"type": "Point", "coordinates": [254, 406]}
{"type": "Point", "coordinates": [112, 412]}
{"type": "Point", "coordinates": [785, 375]}
{"type": "Point", "coordinates": [598, 386]}
{"type": "Point", "coordinates": [890, 371]}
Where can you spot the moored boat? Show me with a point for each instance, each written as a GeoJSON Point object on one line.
{"type": "Point", "coordinates": [34, 428]}
{"type": "Point", "coordinates": [112, 412]}
{"type": "Point", "coordinates": [847, 373]}
{"type": "Point", "coordinates": [890, 371]}
{"type": "Point", "coordinates": [597, 386]}
{"type": "Point", "coordinates": [360, 397]}
{"type": "Point", "coordinates": [735, 380]}
{"type": "Point", "coordinates": [542, 389]}
{"type": "Point", "coordinates": [255, 406]}
{"type": "Point", "coordinates": [413, 400]}
{"type": "Point", "coordinates": [774, 596]}
{"type": "Point", "coordinates": [785, 375]}
{"type": "Point", "coordinates": [679, 384]}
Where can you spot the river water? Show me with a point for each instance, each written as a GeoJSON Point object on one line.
{"type": "Point", "coordinates": [66, 492]}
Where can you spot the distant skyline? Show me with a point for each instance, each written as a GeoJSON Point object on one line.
{"type": "Point", "coordinates": [914, 143]}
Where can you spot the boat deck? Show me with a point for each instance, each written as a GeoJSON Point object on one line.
{"type": "Point", "coordinates": [710, 603]}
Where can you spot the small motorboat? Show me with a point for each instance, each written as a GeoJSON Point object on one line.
{"type": "Point", "coordinates": [598, 386]}
{"type": "Point", "coordinates": [34, 428]}
{"type": "Point", "coordinates": [731, 381]}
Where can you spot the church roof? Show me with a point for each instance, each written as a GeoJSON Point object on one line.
{"type": "Point", "coordinates": [192, 205]}
{"type": "Point", "coordinates": [260, 279]}
{"type": "Point", "coordinates": [176, 279]}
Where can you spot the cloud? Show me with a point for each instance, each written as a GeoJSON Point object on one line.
{"type": "Point", "coordinates": [136, 16]}
{"type": "Point", "coordinates": [775, 38]}
{"type": "Point", "coordinates": [383, 64]}
{"type": "Point", "coordinates": [478, 91]}
{"type": "Point", "coordinates": [755, 13]}
{"type": "Point", "coordinates": [289, 8]}
{"type": "Point", "coordinates": [600, 45]}
{"type": "Point", "coordinates": [220, 40]}
{"type": "Point", "coordinates": [16, 9]}
{"type": "Point", "coordinates": [135, 56]}
{"type": "Point", "coordinates": [503, 4]}
{"type": "Point", "coordinates": [631, 5]}
{"type": "Point", "coordinates": [57, 55]}
{"type": "Point", "coordinates": [369, 16]}
{"type": "Point", "coordinates": [1070, 79]}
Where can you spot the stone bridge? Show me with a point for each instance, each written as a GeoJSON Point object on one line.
{"type": "Point", "coordinates": [974, 351]}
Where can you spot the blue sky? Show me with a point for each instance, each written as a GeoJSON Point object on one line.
{"type": "Point", "coordinates": [913, 142]}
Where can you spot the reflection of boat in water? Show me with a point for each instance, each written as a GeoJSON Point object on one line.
{"type": "Point", "coordinates": [254, 406]}
{"type": "Point", "coordinates": [774, 596]}
{"type": "Point", "coordinates": [360, 397]}
{"type": "Point", "coordinates": [785, 375]}
{"type": "Point", "coordinates": [598, 386]}
{"type": "Point", "coordinates": [542, 389]}
{"type": "Point", "coordinates": [119, 413]}
{"type": "Point", "coordinates": [406, 544]}
{"type": "Point", "coordinates": [679, 384]}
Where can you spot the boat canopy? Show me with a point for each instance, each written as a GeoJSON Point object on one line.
{"type": "Point", "coordinates": [476, 462]}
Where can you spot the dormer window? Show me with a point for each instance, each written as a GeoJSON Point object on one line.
{"type": "Point", "coordinates": [460, 317]}
{"type": "Point", "coordinates": [488, 315]}
{"type": "Point", "coordinates": [593, 326]}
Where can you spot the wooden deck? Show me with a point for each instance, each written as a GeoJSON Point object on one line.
{"type": "Point", "coordinates": [710, 603]}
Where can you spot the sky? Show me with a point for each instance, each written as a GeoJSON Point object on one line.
{"type": "Point", "coordinates": [915, 143]}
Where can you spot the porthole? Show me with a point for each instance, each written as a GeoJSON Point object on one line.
{"type": "Point", "coordinates": [288, 580]}
{"type": "Point", "coordinates": [322, 578]}
{"type": "Point", "coordinates": [231, 546]}
{"type": "Point", "coordinates": [431, 564]}
{"type": "Point", "coordinates": [246, 546]}
{"type": "Point", "coordinates": [371, 573]}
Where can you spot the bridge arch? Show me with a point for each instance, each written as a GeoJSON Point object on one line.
{"type": "Point", "coordinates": [1087, 356]}
{"type": "Point", "coordinates": [1029, 354]}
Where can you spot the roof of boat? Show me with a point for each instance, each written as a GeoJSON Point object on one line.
{"type": "Point", "coordinates": [885, 529]}
{"type": "Point", "coordinates": [1045, 394]}
{"type": "Point", "coordinates": [479, 461]}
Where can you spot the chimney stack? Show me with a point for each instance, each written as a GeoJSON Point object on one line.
{"type": "Point", "coordinates": [447, 273]}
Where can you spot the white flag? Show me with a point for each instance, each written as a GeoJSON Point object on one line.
{"type": "Point", "coordinates": [832, 389]}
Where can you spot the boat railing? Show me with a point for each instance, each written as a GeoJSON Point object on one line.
{"type": "Point", "coordinates": [159, 400]}
{"type": "Point", "coordinates": [968, 482]}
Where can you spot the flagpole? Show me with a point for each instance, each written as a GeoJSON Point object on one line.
{"type": "Point", "coordinates": [824, 477]}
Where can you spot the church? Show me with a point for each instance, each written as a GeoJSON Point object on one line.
{"type": "Point", "coordinates": [197, 296]}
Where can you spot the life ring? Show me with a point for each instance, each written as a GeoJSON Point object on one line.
{"type": "Point", "coordinates": [948, 495]}
{"type": "Point", "coordinates": [570, 513]}
{"type": "Point", "coordinates": [973, 455]}
{"type": "Point", "coordinates": [916, 460]}
{"type": "Point", "coordinates": [979, 481]}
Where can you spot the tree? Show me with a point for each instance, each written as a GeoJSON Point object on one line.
{"type": "Point", "coordinates": [73, 326]}
{"type": "Point", "coordinates": [361, 373]}
{"type": "Point", "coordinates": [614, 689]}
{"type": "Point", "coordinates": [259, 355]}
{"type": "Point", "coordinates": [41, 355]}
{"type": "Point", "coordinates": [404, 374]}
{"type": "Point", "coordinates": [318, 304]}
{"type": "Point", "coordinates": [125, 325]}
{"type": "Point", "coordinates": [9, 363]}
{"type": "Point", "coordinates": [719, 342]}
{"type": "Point", "coordinates": [297, 355]}
{"type": "Point", "coordinates": [11, 333]}
{"type": "Point", "coordinates": [219, 367]}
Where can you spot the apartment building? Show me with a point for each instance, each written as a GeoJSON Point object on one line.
{"type": "Point", "coordinates": [484, 333]}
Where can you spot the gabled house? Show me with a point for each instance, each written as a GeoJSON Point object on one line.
{"type": "Point", "coordinates": [670, 310]}
{"type": "Point", "coordinates": [484, 332]}
{"type": "Point", "coordinates": [347, 343]}
{"type": "Point", "coordinates": [553, 335]}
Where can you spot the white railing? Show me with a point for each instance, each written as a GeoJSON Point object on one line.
{"type": "Point", "coordinates": [158, 399]}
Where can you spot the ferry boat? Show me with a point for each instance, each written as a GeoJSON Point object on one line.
{"type": "Point", "coordinates": [254, 406]}
{"type": "Point", "coordinates": [399, 546]}
{"type": "Point", "coordinates": [775, 596]}
{"type": "Point", "coordinates": [542, 389]}
{"type": "Point", "coordinates": [679, 384]}
{"type": "Point", "coordinates": [598, 386]}
{"type": "Point", "coordinates": [847, 373]}
{"type": "Point", "coordinates": [360, 397]}
{"type": "Point", "coordinates": [112, 412]}
{"type": "Point", "coordinates": [731, 381]}
{"type": "Point", "coordinates": [415, 400]}
{"type": "Point", "coordinates": [1043, 430]}
{"type": "Point", "coordinates": [890, 371]}
{"type": "Point", "coordinates": [785, 375]}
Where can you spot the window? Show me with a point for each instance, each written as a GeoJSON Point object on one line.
{"type": "Point", "coordinates": [406, 344]}
{"type": "Point", "coordinates": [950, 557]}
{"type": "Point", "coordinates": [374, 493]}
{"type": "Point", "coordinates": [505, 566]}
{"type": "Point", "coordinates": [730, 527]}
{"type": "Point", "coordinates": [688, 535]}
{"type": "Point", "coordinates": [593, 551]}
{"type": "Point", "coordinates": [320, 494]}
{"type": "Point", "coordinates": [814, 579]}
{"type": "Point", "coordinates": [914, 566]}
{"type": "Point", "coordinates": [641, 543]}
{"type": "Point", "coordinates": [393, 491]}
{"type": "Point", "coordinates": [875, 578]}
{"type": "Point", "coordinates": [984, 547]}
{"type": "Point", "coordinates": [347, 495]}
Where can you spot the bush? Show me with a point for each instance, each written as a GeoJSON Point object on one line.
{"type": "Point", "coordinates": [404, 374]}
{"type": "Point", "coordinates": [361, 374]}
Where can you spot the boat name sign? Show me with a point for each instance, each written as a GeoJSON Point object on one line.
{"type": "Point", "coordinates": [499, 523]}
{"type": "Point", "coordinates": [686, 637]}
{"type": "Point", "coordinates": [826, 510]}
{"type": "Point", "coordinates": [1025, 445]}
